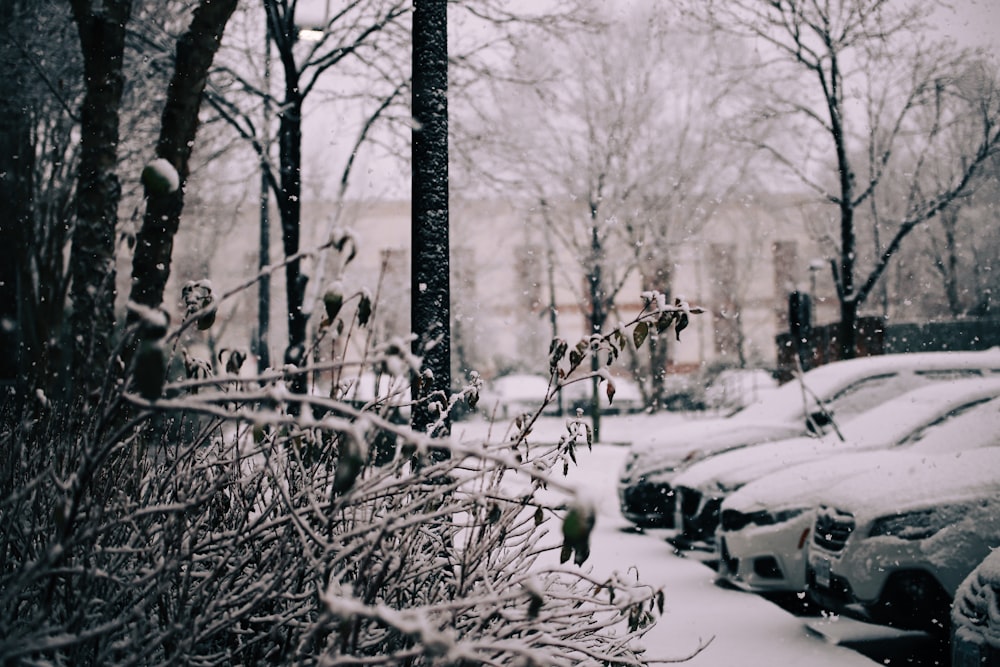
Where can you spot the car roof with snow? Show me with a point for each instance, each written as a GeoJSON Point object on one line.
{"type": "Point", "coordinates": [781, 413]}
{"type": "Point", "coordinates": [882, 426]}
{"type": "Point", "coordinates": [802, 485]}
{"type": "Point", "coordinates": [786, 402]}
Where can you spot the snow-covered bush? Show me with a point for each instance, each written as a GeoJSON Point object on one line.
{"type": "Point", "coordinates": [219, 520]}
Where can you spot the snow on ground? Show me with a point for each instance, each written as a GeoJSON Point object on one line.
{"type": "Point", "coordinates": [744, 629]}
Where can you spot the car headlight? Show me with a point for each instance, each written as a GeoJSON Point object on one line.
{"type": "Point", "coordinates": [917, 525]}
{"type": "Point", "coordinates": [736, 520]}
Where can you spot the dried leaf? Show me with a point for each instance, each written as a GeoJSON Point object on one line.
{"type": "Point", "coordinates": [682, 323]}
{"type": "Point", "coordinates": [639, 334]}
{"type": "Point", "coordinates": [364, 310]}
{"type": "Point", "coordinates": [332, 301]}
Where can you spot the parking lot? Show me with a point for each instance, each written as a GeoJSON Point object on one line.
{"type": "Point", "coordinates": [735, 627]}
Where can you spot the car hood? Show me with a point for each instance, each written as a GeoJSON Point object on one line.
{"type": "Point", "coordinates": [693, 440]}
{"type": "Point", "coordinates": [730, 470]}
{"type": "Point", "coordinates": [929, 481]}
{"type": "Point", "coordinates": [805, 484]}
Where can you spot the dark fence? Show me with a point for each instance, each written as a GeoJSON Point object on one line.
{"type": "Point", "coordinates": [818, 345]}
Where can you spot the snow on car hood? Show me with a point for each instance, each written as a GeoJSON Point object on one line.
{"type": "Point", "coordinates": [693, 440]}
{"type": "Point", "coordinates": [804, 485]}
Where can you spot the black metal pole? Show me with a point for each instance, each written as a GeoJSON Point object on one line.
{"type": "Point", "coordinates": [430, 309]}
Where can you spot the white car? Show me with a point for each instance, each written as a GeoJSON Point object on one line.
{"type": "Point", "coordinates": [765, 526]}
{"type": "Point", "coordinates": [735, 388]}
{"type": "Point", "coordinates": [838, 390]}
{"type": "Point", "coordinates": [892, 546]}
{"type": "Point", "coordinates": [511, 395]}
{"type": "Point", "coordinates": [702, 487]}
{"type": "Point", "coordinates": [627, 396]}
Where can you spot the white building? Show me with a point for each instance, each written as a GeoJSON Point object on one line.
{"type": "Point", "coordinates": [740, 267]}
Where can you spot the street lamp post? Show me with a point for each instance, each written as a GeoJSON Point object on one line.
{"type": "Point", "coordinates": [430, 308]}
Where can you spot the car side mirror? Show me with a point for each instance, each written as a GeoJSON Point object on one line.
{"type": "Point", "coordinates": [817, 420]}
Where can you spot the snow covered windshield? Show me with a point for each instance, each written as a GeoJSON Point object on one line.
{"type": "Point", "coordinates": [843, 389]}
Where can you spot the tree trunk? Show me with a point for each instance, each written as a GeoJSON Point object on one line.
{"type": "Point", "coordinates": [17, 162]}
{"type": "Point", "coordinates": [848, 253]}
{"type": "Point", "coordinates": [598, 315]}
{"type": "Point", "coordinates": [430, 310]}
{"type": "Point", "coordinates": [848, 332]}
{"type": "Point", "coordinates": [92, 256]}
{"type": "Point", "coordinates": [195, 52]}
{"type": "Point", "coordinates": [948, 264]}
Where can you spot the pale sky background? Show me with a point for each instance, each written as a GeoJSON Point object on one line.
{"type": "Point", "coordinates": [976, 22]}
{"type": "Point", "coordinates": [970, 22]}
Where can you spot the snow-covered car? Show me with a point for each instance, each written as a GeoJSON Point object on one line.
{"type": "Point", "coordinates": [374, 391]}
{"type": "Point", "coordinates": [765, 526]}
{"type": "Point", "coordinates": [735, 388]}
{"type": "Point", "coordinates": [627, 396]}
{"type": "Point", "coordinates": [837, 390]}
{"type": "Point", "coordinates": [892, 546]}
{"type": "Point", "coordinates": [975, 616]}
{"type": "Point", "coordinates": [510, 395]}
{"type": "Point", "coordinates": [702, 488]}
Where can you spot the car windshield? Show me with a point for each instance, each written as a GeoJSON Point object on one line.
{"type": "Point", "coordinates": [977, 425]}
{"type": "Point", "coordinates": [842, 394]}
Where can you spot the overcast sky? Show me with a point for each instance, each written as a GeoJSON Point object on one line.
{"type": "Point", "coordinates": [970, 22]}
{"type": "Point", "coordinates": [975, 22]}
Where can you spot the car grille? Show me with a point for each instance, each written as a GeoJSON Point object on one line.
{"type": "Point", "coordinates": [832, 528]}
{"type": "Point", "coordinates": [653, 502]}
{"type": "Point", "coordinates": [690, 501]}
{"type": "Point", "coordinates": [699, 515]}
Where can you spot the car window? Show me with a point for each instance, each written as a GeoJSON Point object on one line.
{"type": "Point", "coordinates": [859, 396]}
{"type": "Point", "coordinates": [874, 391]}
{"type": "Point", "coordinates": [974, 424]}
{"type": "Point", "coordinates": [951, 374]}
{"type": "Point", "coordinates": [785, 402]}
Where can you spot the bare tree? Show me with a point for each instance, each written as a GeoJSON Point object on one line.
{"type": "Point", "coordinates": [355, 64]}
{"type": "Point", "coordinates": [42, 88]}
{"type": "Point", "coordinates": [92, 258]}
{"type": "Point", "coordinates": [154, 243]}
{"type": "Point", "coordinates": [861, 77]}
{"type": "Point", "coordinates": [606, 135]}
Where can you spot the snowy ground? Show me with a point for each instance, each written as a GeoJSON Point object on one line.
{"type": "Point", "coordinates": [744, 629]}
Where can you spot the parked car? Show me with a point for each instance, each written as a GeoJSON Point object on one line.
{"type": "Point", "coordinates": [375, 391]}
{"type": "Point", "coordinates": [837, 390]}
{"type": "Point", "coordinates": [892, 546]}
{"type": "Point", "coordinates": [735, 388]}
{"type": "Point", "coordinates": [627, 397]}
{"type": "Point", "coordinates": [703, 486]}
{"type": "Point", "coordinates": [510, 395]}
{"type": "Point", "coordinates": [975, 616]}
{"type": "Point", "coordinates": [765, 526]}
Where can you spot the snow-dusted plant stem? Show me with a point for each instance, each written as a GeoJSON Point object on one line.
{"type": "Point", "coordinates": [226, 520]}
